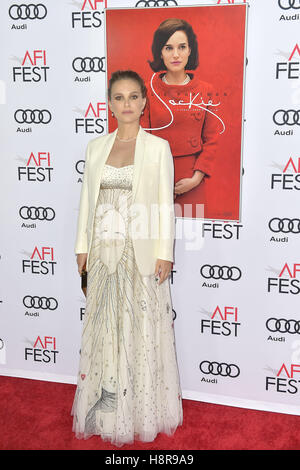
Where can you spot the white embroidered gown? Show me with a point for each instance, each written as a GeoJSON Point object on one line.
{"type": "Point", "coordinates": [128, 383]}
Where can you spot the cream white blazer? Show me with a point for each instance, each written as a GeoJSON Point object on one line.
{"type": "Point", "coordinates": [152, 193]}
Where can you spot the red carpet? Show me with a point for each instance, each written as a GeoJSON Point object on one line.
{"type": "Point", "coordinates": [35, 415]}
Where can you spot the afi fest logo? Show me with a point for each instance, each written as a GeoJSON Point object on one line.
{"type": "Point", "coordinates": [41, 261]}
{"type": "Point", "coordinates": [37, 169]}
{"type": "Point", "coordinates": [287, 281]}
{"type": "Point", "coordinates": [286, 380]}
{"type": "Point", "coordinates": [224, 231]}
{"type": "Point", "coordinates": [289, 177]}
{"type": "Point", "coordinates": [91, 14]}
{"type": "Point", "coordinates": [93, 120]}
{"type": "Point", "coordinates": [219, 324]}
{"type": "Point", "coordinates": [291, 68]}
{"type": "Point", "coordinates": [33, 67]}
{"type": "Point", "coordinates": [43, 350]}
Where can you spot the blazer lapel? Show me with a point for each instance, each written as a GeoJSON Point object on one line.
{"type": "Point", "coordinates": [102, 160]}
{"type": "Point", "coordinates": [138, 160]}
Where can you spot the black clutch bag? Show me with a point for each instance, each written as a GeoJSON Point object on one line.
{"type": "Point", "coordinates": [84, 281]}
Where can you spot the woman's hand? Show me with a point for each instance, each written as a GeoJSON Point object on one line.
{"type": "Point", "coordinates": [162, 269]}
{"type": "Point", "coordinates": [186, 184]}
{"type": "Point", "coordinates": [81, 262]}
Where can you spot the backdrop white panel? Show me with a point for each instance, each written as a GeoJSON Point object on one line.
{"type": "Point", "coordinates": [237, 338]}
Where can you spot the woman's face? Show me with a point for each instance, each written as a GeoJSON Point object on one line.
{"type": "Point", "coordinates": [175, 53]}
{"type": "Point", "coordinates": [127, 102]}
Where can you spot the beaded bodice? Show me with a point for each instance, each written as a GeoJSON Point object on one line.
{"type": "Point", "coordinates": [113, 177]}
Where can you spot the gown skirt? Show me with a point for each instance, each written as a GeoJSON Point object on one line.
{"type": "Point", "coordinates": [128, 383]}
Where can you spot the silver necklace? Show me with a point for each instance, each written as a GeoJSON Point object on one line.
{"type": "Point", "coordinates": [185, 81]}
{"type": "Point", "coordinates": [125, 140]}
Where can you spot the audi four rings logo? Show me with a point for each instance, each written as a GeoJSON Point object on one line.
{"type": "Point", "coordinates": [156, 3]}
{"type": "Point", "coordinates": [88, 64]}
{"type": "Point", "coordinates": [288, 4]}
{"type": "Point", "coordinates": [291, 117]}
{"type": "Point", "coordinates": [45, 303]}
{"type": "Point", "coordinates": [281, 325]}
{"type": "Point", "coordinates": [226, 273]}
{"type": "Point", "coordinates": [214, 368]}
{"type": "Point", "coordinates": [27, 12]}
{"type": "Point", "coordinates": [32, 116]}
{"type": "Point", "coordinates": [37, 213]}
{"type": "Point", "coordinates": [284, 225]}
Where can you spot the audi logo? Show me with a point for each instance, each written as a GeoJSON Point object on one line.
{"type": "Point", "coordinates": [79, 166]}
{"type": "Point", "coordinates": [281, 325]}
{"type": "Point", "coordinates": [27, 12]}
{"type": "Point", "coordinates": [37, 213]}
{"type": "Point", "coordinates": [288, 4]}
{"type": "Point", "coordinates": [156, 3]}
{"type": "Point", "coordinates": [288, 118]}
{"type": "Point", "coordinates": [32, 116]}
{"type": "Point", "coordinates": [214, 368]}
{"type": "Point", "coordinates": [284, 225]}
{"type": "Point", "coordinates": [1, 344]}
{"type": "Point", "coordinates": [226, 273]}
{"type": "Point", "coordinates": [88, 64]}
{"type": "Point", "coordinates": [45, 303]}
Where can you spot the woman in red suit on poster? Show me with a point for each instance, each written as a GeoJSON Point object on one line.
{"type": "Point", "coordinates": [182, 109]}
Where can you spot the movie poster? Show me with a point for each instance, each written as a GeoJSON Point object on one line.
{"type": "Point", "coordinates": [201, 117]}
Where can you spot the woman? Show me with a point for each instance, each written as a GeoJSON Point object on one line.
{"type": "Point", "coordinates": [182, 109]}
{"type": "Point", "coordinates": [128, 382]}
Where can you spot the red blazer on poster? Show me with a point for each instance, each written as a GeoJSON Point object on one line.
{"type": "Point", "coordinates": [186, 116]}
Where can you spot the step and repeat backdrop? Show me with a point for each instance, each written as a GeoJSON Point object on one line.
{"type": "Point", "coordinates": [236, 296]}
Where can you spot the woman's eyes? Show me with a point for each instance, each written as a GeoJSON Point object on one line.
{"type": "Point", "coordinates": [169, 48]}
{"type": "Point", "coordinates": [119, 98]}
